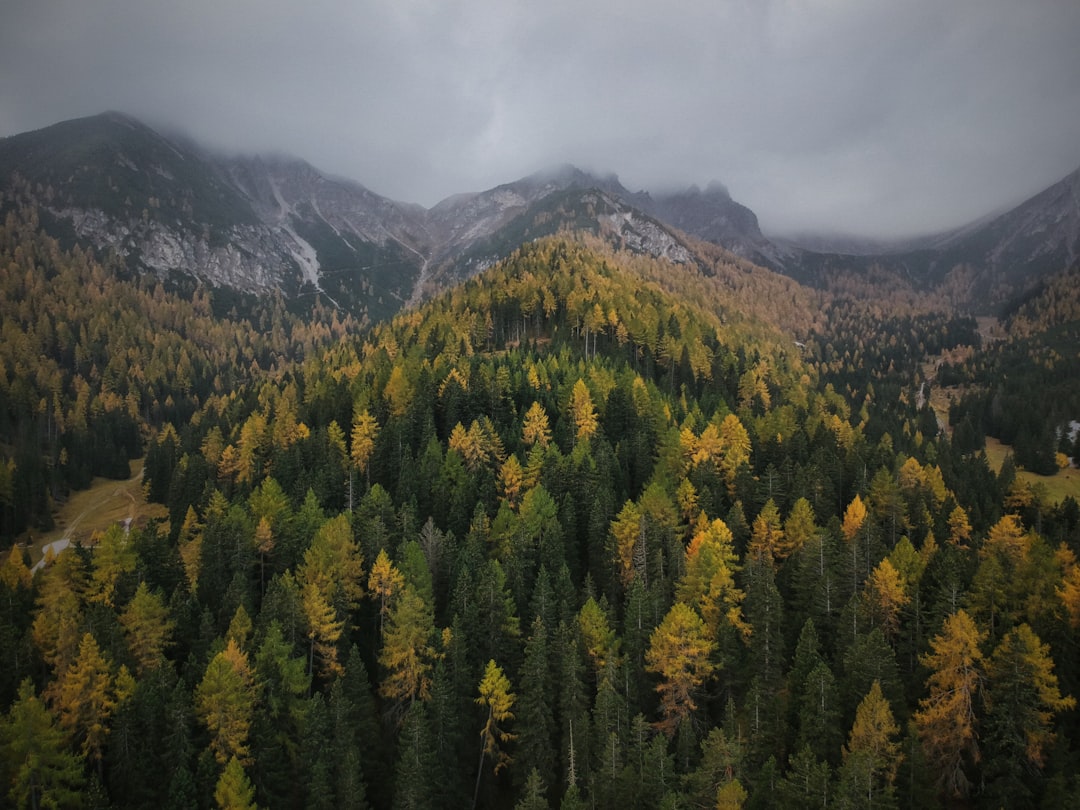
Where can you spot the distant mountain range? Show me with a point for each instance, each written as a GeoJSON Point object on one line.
{"type": "Point", "coordinates": [257, 224]}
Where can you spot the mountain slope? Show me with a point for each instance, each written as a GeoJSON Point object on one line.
{"type": "Point", "coordinates": [256, 224]}
{"type": "Point", "coordinates": [713, 216]}
{"type": "Point", "coordinates": [1011, 252]}
{"type": "Point", "coordinates": [114, 184]}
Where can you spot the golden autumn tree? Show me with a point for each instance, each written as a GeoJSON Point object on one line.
{"type": "Point", "coordinates": [536, 430]}
{"type": "Point", "coordinates": [886, 596]}
{"type": "Point", "coordinates": [323, 631]}
{"type": "Point", "coordinates": [234, 790]}
{"type": "Point", "coordinates": [190, 545]}
{"type": "Point", "coordinates": [854, 518]}
{"type": "Point", "coordinates": [114, 556]}
{"type": "Point", "coordinates": [1069, 590]}
{"type": "Point", "coordinates": [737, 447]}
{"type": "Point", "coordinates": [767, 541]}
{"type": "Point", "coordinates": [872, 754]}
{"type": "Point", "coordinates": [628, 535]}
{"type": "Point", "coordinates": [800, 526]}
{"type": "Point", "coordinates": [680, 652]}
{"type": "Point", "coordinates": [14, 573]}
{"type": "Point", "coordinates": [511, 481]}
{"type": "Point", "coordinates": [85, 699]}
{"type": "Point", "coordinates": [408, 652]}
{"type": "Point", "coordinates": [331, 583]}
{"type": "Point", "coordinates": [362, 444]}
{"type": "Point", "coordinates": [946, 719]}
{"type": "Point", "coordinates": [1001, 584]}
{"type": "Point", "coordinates": [148, 628]}
{"type": "Point", "coordinates": [264, 544]}
{"type": "Point", "coordinates": [399, 391]}
{"type": "Point", "coordinates": [601, 640]}
{"type": "Point", "coordinates": [583, 411]}
{"type": "Point", "coordinates": [57, 627]}
{"type": "Point", "coordinates": [384, 583]}
{"type": "Point", "coordinates": [498, 700]}
{"type": "Point", "coordinates": [731, 796]}
{"type": "Point", "coordinates": [709, 582]}
{"type": "Point", "coordinates": [225, 703]}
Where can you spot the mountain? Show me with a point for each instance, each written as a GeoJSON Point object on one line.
{"type": "Point", "coordinates": [987, 265]}
{"type": "Point", "coordinates": [114, 184]}
{"type": "Point", "coordinates": [1007, 256]}
{"type": "Point", "coordinates": [257, 224]}
{"type": "Point", "coordinates": [713, 216]}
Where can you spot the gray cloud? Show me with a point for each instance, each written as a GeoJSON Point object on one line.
{"type": "Point", "coordinates": [847, 115]}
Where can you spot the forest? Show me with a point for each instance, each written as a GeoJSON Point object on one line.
{"type": "Point", "coordinates": [586, 531]}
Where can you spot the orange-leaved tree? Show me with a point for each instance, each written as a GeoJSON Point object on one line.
{"type": "Point", "coordinates": [680, 652]}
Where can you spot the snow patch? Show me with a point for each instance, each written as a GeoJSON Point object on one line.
{"type": "Point", "coordinates": [302, 251]}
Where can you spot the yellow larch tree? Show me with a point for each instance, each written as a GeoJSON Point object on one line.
{"type": "Point", "coordinates": [854, 518]}
{"type": "Point", "coordinates": [583, 411]}
{"type": "Point", "coordinates": [498, 700]}
{"type": "Point", "coordinates": [886, 596]}
{"type": "Point", "coordinates": [737, 447]}
{"type": "Point", "coordinates": [946, 719]}
{"type": "Point", "coordinates": [225, 702]}
{"type": "Point", "coordinates": [384, 583]}
{"type": "Point", "coordinates": [148, 628]}
{"type": "Point", "coordinates": [85, 699]}
{"type": "Point", "coordinates": [709, 582]}
{"type": "Point", "coordinates": [362, 444]}
{"type": "Point", "coordinates": [767, 541]}
{"type": "Point", "coordinates": [408, 652]}
{"type": "Point", "coordinates": [536, 431]}
{"type": "Point", "coordinates": [680, 652]}
{"type": "Point", "coordinates": [872, 754]}
{"type": "Point", "coordinates": [627, 532]}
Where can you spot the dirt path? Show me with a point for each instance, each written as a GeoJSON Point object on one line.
{"type": "Point", "coordinates": [105, 503]}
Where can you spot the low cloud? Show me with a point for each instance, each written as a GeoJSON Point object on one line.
{"type": "Point", "coordinates": [879, 119]}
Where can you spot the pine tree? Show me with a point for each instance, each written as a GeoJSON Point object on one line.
{"type": "Point", "coordinates": [412, 786]}
{"type": "Point", "coordinates": [807, 782]}
{"type": "Point", "coordinates": [534, 713]}
{"type": "Point", "coordinates": [1022, 698]}
{"type": "Point", "coordinates": [37, 767]}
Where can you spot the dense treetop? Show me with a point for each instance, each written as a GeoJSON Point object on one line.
{"type": "Point", "coordinates": [588, 530]}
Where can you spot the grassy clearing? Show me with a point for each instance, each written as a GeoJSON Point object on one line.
{"type": "Point", "coordinates": [1057, 487]}
{"type": "Point", "coordinates": [96, 509]}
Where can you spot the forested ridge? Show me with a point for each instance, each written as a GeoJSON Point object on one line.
{"type": "Point", "coordinates": [589, 530]}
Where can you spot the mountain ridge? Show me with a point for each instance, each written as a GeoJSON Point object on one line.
{"type": "Point", "coordinates": [256, 222]}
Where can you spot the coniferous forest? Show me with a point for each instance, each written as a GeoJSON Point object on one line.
{"type": "Point", "coordinates": [590, 530]}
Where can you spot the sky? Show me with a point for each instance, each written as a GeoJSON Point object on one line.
{"type": "Point", "coordinates": [862, 117]}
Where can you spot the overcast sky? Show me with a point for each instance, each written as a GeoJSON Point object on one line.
{"type": "Point", "coordinates": [860, 116]}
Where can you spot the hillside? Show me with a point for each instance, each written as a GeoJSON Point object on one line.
{"type": "Point", "coordinates": [589, 529]}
